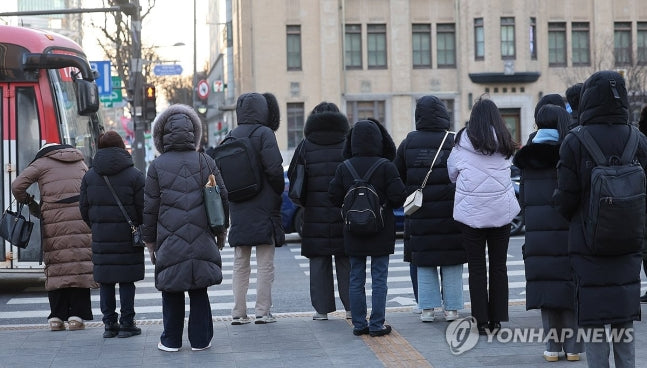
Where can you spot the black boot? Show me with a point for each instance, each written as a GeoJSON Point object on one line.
{"type": "Point", "coordinates": [111, 330]}
{"type": "Point", "coordinates": [128, 330]}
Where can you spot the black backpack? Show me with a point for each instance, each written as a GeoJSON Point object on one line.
{"type": "Point", "coordinates": [615, 221]}
{"type": "Point", "coordinates": [361, 210]}
{"type": "Point", "coordinates": [239, 166]}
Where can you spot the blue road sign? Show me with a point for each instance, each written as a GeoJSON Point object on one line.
{"type": "Point", "coordinates": [167, 69]}
{"type": "Point", "coordinates": [104, 82]}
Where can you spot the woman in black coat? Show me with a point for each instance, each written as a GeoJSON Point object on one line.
{"type": "Point", "coordinates": [608, 287]}
{"type": "Point", "coordinates": [366, 143]}
{"type": "Point", "coordinates": [321, 152]}
{"type": "Point", "coordinates": [115, 258]}
{"type": "Point", "coordinates": [432, 239]}
{"type": "Point", "coordinates": [549, 283]}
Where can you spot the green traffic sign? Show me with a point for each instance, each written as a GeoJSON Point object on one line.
{"type": "Point", "coordinates": [116, 95]}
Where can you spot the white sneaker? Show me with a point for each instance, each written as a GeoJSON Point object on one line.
{"type": "Point", "coordinates": [166, 348]}
{"type": "Point", "coordinates": [236, 321]}
{"type": "Point", "coordinates": [269, 318]}
{"type": "Point", "coordinates": [320, 316]}
{"type": "Point", "coordinates": [349, 315]}
{"type": "Point", "coordinates": [427, 315]}
{"type": "Point", "coordinates": [551, 356]}
{"type": "Point", "coordinates": [572, 357]}
{"type": "Point", "coordinates": [200, 349]}
{"type": "Point", "coordinates": [451, 315]}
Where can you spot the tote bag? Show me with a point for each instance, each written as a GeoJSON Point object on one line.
{"type": "Point", "coordinates": [15, 228]}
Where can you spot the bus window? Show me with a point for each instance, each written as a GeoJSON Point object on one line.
{"type": "Point", "coordinates": [27, 126]}
{"type": "Point", "coordinates": [76, 130]}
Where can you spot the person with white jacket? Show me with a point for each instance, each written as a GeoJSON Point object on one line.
{"type": "Point", "coordinates": [484, 205]}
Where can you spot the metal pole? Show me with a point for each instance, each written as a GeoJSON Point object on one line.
{"type": "Point", "coordinates": [136, 83]}
{"type": "Point", "coordinates": [195, 68]}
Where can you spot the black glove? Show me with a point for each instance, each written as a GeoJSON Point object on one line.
{"type": "Point", "coordinates": [34, 207]}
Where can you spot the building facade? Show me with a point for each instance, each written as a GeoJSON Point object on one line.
{"type": "Point", "coordinates": [374, 58]}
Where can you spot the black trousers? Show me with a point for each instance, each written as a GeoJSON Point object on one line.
{"type": "Point", "coordinates": [489, 302]}
{"type": "Point", "coordinates": [108, 302]}
{"type": "Point", "coordinates": [70, 302]}
{"type": "Point", "coordinates": [200, 321]}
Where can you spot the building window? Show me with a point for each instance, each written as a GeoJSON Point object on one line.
{"type": "Point", "coordinates": [580, 44]}
{"type": "Point", "coordinates": [446, 45]}
{"type": "Point", "coordinates": [376, 46]}
{"type": "Point", "coordinates": [294, 47]}
{"type": "Point", "coordinates": [360, 110]}
{"type": "Point", "coordinates": [622, 43]}
{"type": "Point", "coordinates": [479, 39]}
{"type": "Point", "coordinates": [557, 44]}
{"type": "Point", "coordinates": [421, 45]}
{"type": "Point", "coordinates": [507, 38]}
{"type": "Point", "coordinates": [642, 43]}
{"type": "Point", "coordinates": [353, 46]}
{"type": "Point", "coordinates": [449, 104]}
{"type": "Point", "coordinates": [295, 123]}
{"type": "Point", "coordinates": [532, 38]}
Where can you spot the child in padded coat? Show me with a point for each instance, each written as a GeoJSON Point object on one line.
{"type": "Point", "coordinates": [366, 143]}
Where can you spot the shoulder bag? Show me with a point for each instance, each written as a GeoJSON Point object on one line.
{"type": "Point", "coordinates": [14, 228]}
{"type": "Point", "coordinates": [297, 192]}
{"type": "Point", "coordinates": [138, 241]}
{"type": "Point", "coordinates": [414, 201]}
{"type": "Point", "coordinates": [212, 201]}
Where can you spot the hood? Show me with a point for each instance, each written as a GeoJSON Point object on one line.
{"type": "Point", "coordinates": [369, 138]}
{"type": "Point", "coordinates": [177, 128]}
{"type": "Point", "coordinates": [111, 160]}
{"type": "Point", "coordinates": [256, 108]}
{"type": "Point", "coordinates": [431, 114]}
{"type": "Point", "coordinates": [604, 99]}
{"type": "Point", "coordinates": [537, 156]}
{"type": "Point", "coordinates": [326, 127]}
{"type": "Point", "coordinates": [59, 152]}
{"type": "Point", "coordinates": [549, 99]}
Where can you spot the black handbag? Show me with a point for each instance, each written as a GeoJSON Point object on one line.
{"type": "Point", "coordinates": [297, 192]}
{"type": "Point", "coordinates": [213, 202]}
{"type": "Point", "coordinates": [138, 240]}
{"type": "Point", "coordinates": [15, 228]}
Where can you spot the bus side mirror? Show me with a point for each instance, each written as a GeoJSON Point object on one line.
{"type": "Point", "coordinates": [87, 96]}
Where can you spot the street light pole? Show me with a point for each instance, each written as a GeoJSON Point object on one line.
{"type": "Point", "coordinates": [195, 68]}
{"type": "Point", "coordinates": [136, 85]}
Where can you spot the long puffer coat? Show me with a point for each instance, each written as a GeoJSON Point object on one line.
{"type": "Point", "coordinates": [365, 143]}
{"type": "Point", "coordinates": [321, 153]}
{"type": "Point", "coordinates": [608, 287]}
{"type": "Point", "coordinates": [174, 215]}
{"type": "Point", "coordinates": [113, 254]}
{"type": "Point", "coordinates": [257, 221]}
{"type": "Point", "coordinates": [431, 235]}
{"type": "Point", "coordinates": [549, 282]}
{"type": "Point", "coordinates": [58, 170]}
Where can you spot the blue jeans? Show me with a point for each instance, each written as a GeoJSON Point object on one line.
{"type": "Point", "coordinates": [429, 289]}
{"type": "Point", "coordinates": [379, 273]}
{"type": "Point", "coordinates": [200, 321]}
{"type": "Point", "coordinates": [109, 304]}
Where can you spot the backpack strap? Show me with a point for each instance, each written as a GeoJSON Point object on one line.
{"type": "Point", "coordinates": [352, 170]}
{"type": "Point", "coordinates": [591, 146]}
{"type": "Point", "coordinates": [369, 172]}
{"type": "Point", "coordinates": [231, 136]}
{"type": "Point", "coordinates": [631, 147]}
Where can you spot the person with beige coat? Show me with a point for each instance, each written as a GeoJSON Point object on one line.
{"type": "Point", "coordinates": [66, 239]}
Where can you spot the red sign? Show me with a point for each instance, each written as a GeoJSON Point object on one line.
{"type": "Point", "coordinates": [203, 89]}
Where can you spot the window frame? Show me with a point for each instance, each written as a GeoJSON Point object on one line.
{"type": "Point", "coordinates": [376, 46]}
{"type": "Point", "coordinates": [532, 38]}
{"type": "Point", "coordinates": [293, 32]}
{"type": "Point", "coordinates": [622, 29]}
{"type": "Point", "coordinates": [641, 41]}
{"type": "Point", "coordinates": [507, 25]}
{"type": "Point", "coordinates": [295, 123]}
{"type": "Point", "coordinates": [355, 109]}
{"type": "Point", "coordinates": [417, 30]}
{"type": "Point", "coordinates": [479, 39]}
{"type": "Point", "coordinates": [577, 30]}
{"type": "Point", "coordinates": [446, 30]}
{"type": "Point", "coordinates": [557, 32]}
{"type": "Point", "coordinates": [352, 32]}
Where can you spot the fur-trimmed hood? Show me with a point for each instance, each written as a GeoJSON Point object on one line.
{"type": "Point", "coordinates": [256, 108]}
{"type": "Point", "coordinates": [326, 127]}
{"type": "Point", "coordinates": [538, 156]}
{"type": "Point", "coordinates": [369, 138]}
{"type": "Point", "coordinates": [177, 128]}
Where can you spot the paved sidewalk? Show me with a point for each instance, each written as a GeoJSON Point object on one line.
{"type": "Point", "coordinates": [295, 340]}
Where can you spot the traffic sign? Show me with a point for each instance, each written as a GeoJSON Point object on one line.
{"type": "Point", "coordinates": [103, 81]}
{"type": "Point", "coordinates": [167, 69]}
{"type": "Point", "coordinates": [116, 96]}
{"type": "Point", "coordinates": [217, 85]}
{"type": "Point", "coordinates": [203, 89]}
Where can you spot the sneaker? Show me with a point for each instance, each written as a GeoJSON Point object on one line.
{"type": "Point", "coordinates": [200, 349]}
{"type": "Point", "coordinates": [385, 331]}
{"type": "Point", "coordinates": [320, 316]}
{"type": "Point", "coordinates": [166, 348]}
{"type": "Point", "coordinates": [128, 330]}
{"type": "Point", "coordinates": [573, 357]}
{"type": "Point", "coordinates": [261, 320]}
{"type": "Point", "coordinates": [240, 321]}
{"type": "Point", "coordinates": [551, 356]}
{"type": "Point", "coordinates": [360, 331]}
{"type": "Point", "coordinates": [416, 310]}
{"type": "Point", "coordinates": [643, 298]}
{"type": "Point", "coordinates": [75, 323]}
{"type": "Point", "coordinates": [451, 315]}
{"type": "Point", "coordinates": [111, 330]}
{"type": "Point", "coordinates": [349, 315]}
{"type": "Point", "coordinates": [427, 315]}
{"type": "Point", "coordinates": [56, 324]}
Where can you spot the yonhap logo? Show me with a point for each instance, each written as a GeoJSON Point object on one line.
{"type": "Point", "coordinates": [462, 335]}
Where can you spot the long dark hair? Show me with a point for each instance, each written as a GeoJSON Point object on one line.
{"type": "Point", "coordinates": [555, 117]}
{"type": "Point", "coordinates": [485, 117]}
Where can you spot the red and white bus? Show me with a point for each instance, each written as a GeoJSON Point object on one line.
{"type": "Point", "coordinates": [47, 95]}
